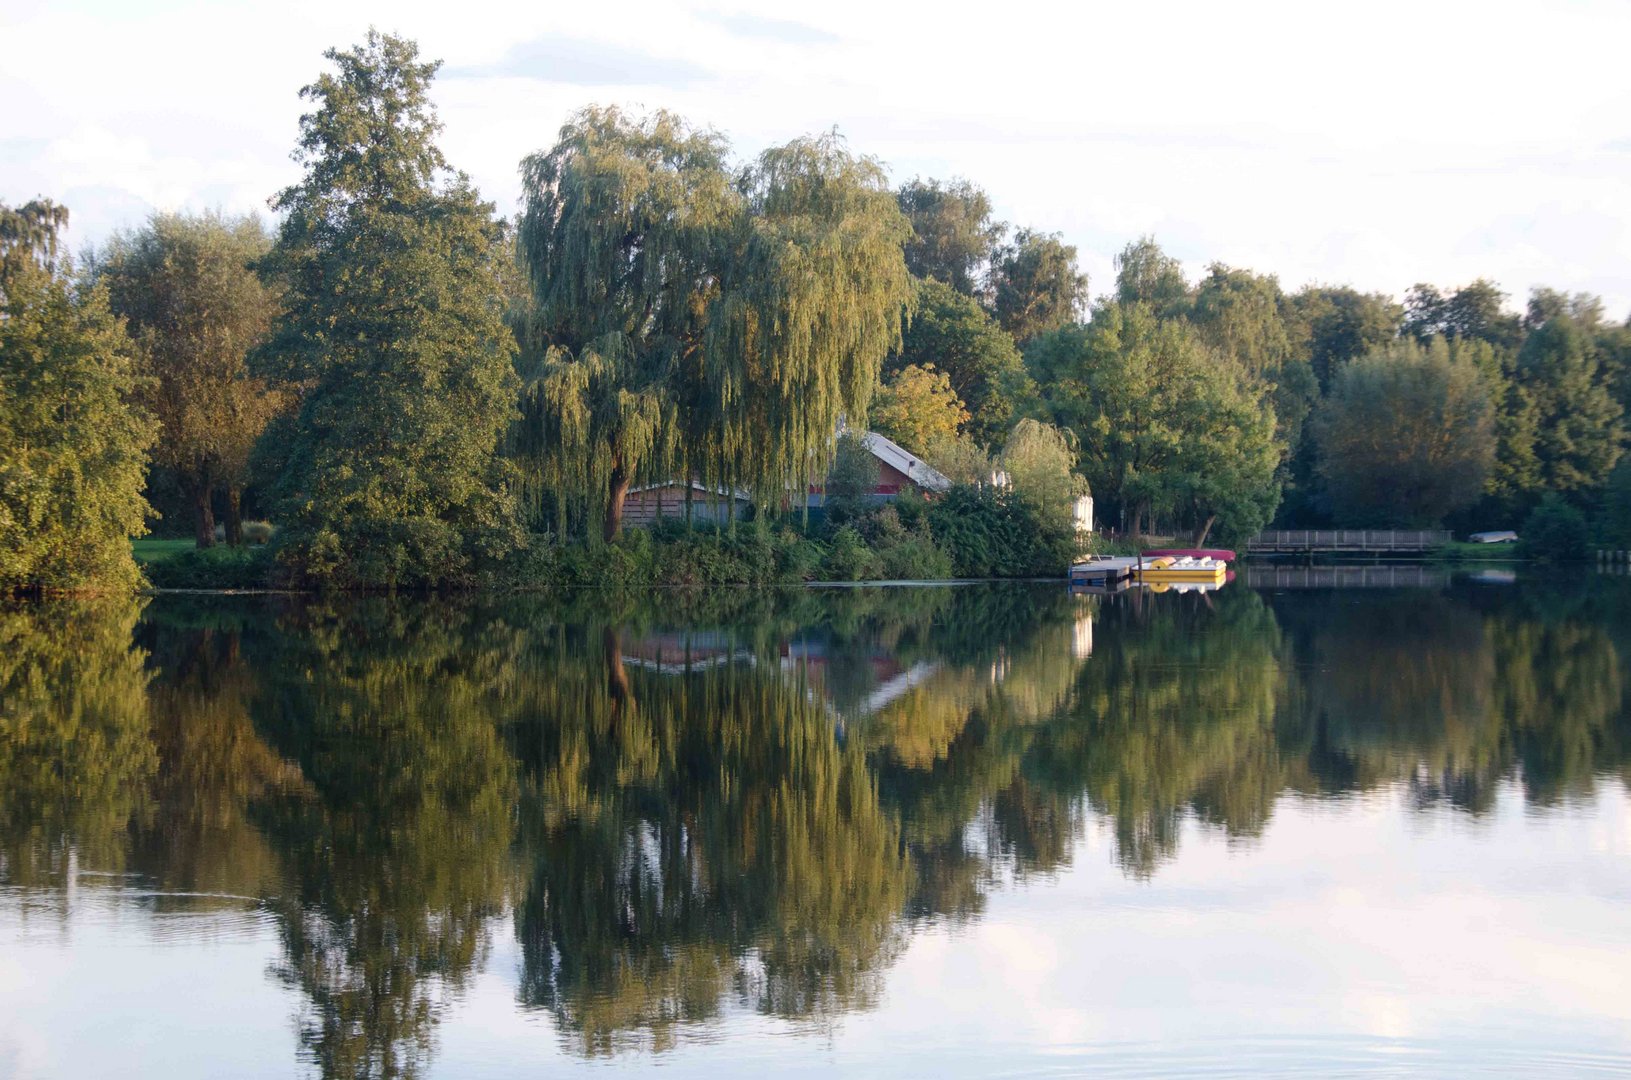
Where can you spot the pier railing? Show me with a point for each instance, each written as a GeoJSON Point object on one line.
{"type": "Point", "coordinates": [1361, 540]}
{"type": "Point", "coordinates": [1388, 576]}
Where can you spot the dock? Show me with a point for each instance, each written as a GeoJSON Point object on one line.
{"type": "Point", "coordinates": [1357, 541]}
{"type": "Point", "coordinates": [1103, 572]}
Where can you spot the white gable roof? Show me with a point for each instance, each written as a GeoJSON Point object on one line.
{"type": "Point", "coordinates": [919, 471]}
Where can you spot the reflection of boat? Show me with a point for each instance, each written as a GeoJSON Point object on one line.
{"type": "Point", "coordinates": [1220, 554]}
{"type": "Point", "coordinates": [1183, 586]}
{"type": "Point", "coordinates": [1182, 569]}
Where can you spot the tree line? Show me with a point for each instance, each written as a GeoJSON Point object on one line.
{"type": "Point", "coordinates": [411, 386]}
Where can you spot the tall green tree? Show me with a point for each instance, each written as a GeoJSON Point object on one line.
{"type": "Point", "coordinates": [956, 336]}
{"type": "Point", "coordinates": [1577, 423]}
{"type": "Point", "coordinates": [29, 235]}
{"type": "Point", "coordinates": [1040, 461]}
{"type": "Point", "coordinates": [953, 234]}
{"type": "Point", "coordinates": [703, 321]}
{"type": "Point", "coordinates": [1241, 315]}
{"type": "Point", "coordinates": [1147, 275]}
{"type": "Point", "coordinates": [1547, 304]}
{"type": "Point", "coordinates": [1036, 285]}
{"type": "Point", "coordinates": [1160, 421]}
{"type": "Point", "coordinates": [394, 336]}
{"type": "Point", "coordinates": [73, 444]}
{"type": "Point", "coordinates": [1337, 324]}
{"type": "Point", "coordinates": [1406, 436]}
{"type": "Point", "coordinates": [188, 291]}
{"type": "Point", "coordinates": [1472, 311]}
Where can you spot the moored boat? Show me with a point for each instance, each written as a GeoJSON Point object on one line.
{"type": "Point", "coordinates": [1170, 568]}
{"type": "Point", "coordinates": [1220, 554]}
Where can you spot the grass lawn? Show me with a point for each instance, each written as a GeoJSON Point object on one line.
{"type": "Point", "coordinates": [1461, 551]}
{"type": "Point", "coordinates": [150, 550]}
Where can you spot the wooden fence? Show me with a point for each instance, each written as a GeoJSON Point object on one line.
{"type": "Point", "coordinates": [1305, 541]}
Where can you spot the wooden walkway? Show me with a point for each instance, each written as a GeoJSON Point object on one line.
{"type": "Point", "coordinates": [1363, 541]}
{"type": "Point", "coordinates": [1345, 577]}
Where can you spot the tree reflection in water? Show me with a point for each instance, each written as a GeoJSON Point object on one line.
{"type": "Point", "coordinates": [682, 813]}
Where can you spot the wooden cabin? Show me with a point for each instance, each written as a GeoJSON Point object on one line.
{"type": "Point", "coordinates": [645, 506]}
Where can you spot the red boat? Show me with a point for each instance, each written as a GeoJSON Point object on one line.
{"type": "Point", "coordinates": [1220, 554]}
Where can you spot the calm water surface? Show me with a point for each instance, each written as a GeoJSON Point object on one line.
{"type": "Point", "coordinates": [1362, 824]}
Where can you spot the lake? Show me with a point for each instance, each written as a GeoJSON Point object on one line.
{"type": "Point", "coordinates": [1327, 821]}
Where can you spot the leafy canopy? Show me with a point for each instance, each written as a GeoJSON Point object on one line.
{"type": "Point", "coordinates": [1406, 436]}
{"type": "Point", "coordinates": [702, 320]}
{"type": "Point", "coordinates": [955, 336]}
{"type": "Point", "coordinates": [191, 299]}
{"type": "Point", "coordinates": [73, 445]}
{"type": "Point", "coordinates": [953, 234]}
{"type": "Point", "coordinates": [1036, 285]}
{"type": "Point", "coordinates": [393, 335]}
{"type": "Point", "coordinates": [917, 408]}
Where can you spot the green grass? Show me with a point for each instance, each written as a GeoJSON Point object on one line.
{"type": "Point", "coordinates": [1461, 551]}
{"type": "Point", "coordinates": [149, 550]}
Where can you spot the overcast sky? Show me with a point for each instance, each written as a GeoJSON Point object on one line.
{"type": "Point", "coordinates": [1373, 144]}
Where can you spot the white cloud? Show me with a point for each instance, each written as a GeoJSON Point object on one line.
{"type": "Point", "coordinates": [1377, 144]}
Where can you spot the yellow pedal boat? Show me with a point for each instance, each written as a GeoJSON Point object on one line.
{"type": "Point", "coordinates": [1171, 569]}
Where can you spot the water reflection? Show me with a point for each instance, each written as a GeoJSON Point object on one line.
{"type": "Point", "coordinates": [752, 805]}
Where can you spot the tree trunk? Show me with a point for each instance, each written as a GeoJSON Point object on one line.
{"type": "Point", "coordinates": [203, 514]}
{"type": "Point", "coordinates": [617, 677]}
{"type": "Point", "coordinates": [235, 517]}
{"type": "Point", "coordinates": [614, 502]}
{"type": "Point", "coordinates": [1201, 534]}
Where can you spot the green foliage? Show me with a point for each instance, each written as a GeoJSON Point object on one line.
{"type": "Point", "coordinates": [1161, 426]}
{"type": "Point", "coordinates": [1340, 324]}
{"type": "Point", "coordinates": [1615, 524]}
{"type": "Point", "coordinates": [703, 324]}
{"type": "Point", "coordinates": [195, 307]}
{"type": "Point", "coordinates": [852, 478]}
{"type": "Point", "coordinates": [960, 460]}
{"type": "Point", "coordinates": [1472, 311]}
{"type": "Point", "coordinates": [73, 446]}
{"type": "Point", "coordinates": [1578, 432]}
{"type": "Point", "coordinates": [1040, 461]}
{"type": "Point", "coordinates": [1406, 436]}
{"type": "Point", "coordinates": [1240, 314]}
{"type": "Point", "coordinates": [917, 408]}
{"type": "Point", "coordinates": [996, 534]}
{"type": "Point", "coordinates": [212, 568]}
{"type": "Point", "coordinates": [954, 335]}
{"type": "Point", "coordinates": [953, 236]}
{"type": "Point", "coordinates": [1036, 285]}
{"type": "Point", "coordinates": [387, 475]}
{"type": "Point", "coordinates": [849, 558]}
{"type": "Point", "coordinates": [1556, 532]}
{"type": "Point", "coordinates": [1147, 275]}
{"type": "Point", "coordinates": [903, 543]}
{"type": "Point", "coordinates": [670, 557]}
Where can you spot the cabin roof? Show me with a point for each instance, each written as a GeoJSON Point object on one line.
{"type": "Point", "coordinates": [914, 468]}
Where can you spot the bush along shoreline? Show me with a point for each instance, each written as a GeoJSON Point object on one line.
{"type": "Point", "coordinates": [969, 533]}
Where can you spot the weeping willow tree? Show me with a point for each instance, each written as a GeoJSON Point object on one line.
{"type": "Point", "coordinates": [702, 320]}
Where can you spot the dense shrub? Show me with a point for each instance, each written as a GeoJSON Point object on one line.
{"type": "Point", "coordinates": [212, 568]}
{"type": "Point", "coordinates": [1556, 532]}
{"type": "Point", "coordinates": [849, 558]}
{"type": "Point", "coordinates": [994, 534]}
{"type": "Point", "coordinates": [904, 552]}
{"type": "Point", "coordinates": [670, 556]}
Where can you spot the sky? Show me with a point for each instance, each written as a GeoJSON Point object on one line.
{"type": "Point", "coordinates": [1373, 144]}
